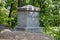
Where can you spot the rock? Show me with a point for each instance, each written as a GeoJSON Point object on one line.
{"type": "Point", "coordinates": [32, 36]}
{"type": "Point", "coordinates": [5, 30]}
{"type": "Point", "coordinates": [7, 34]}
{"type": "Point", "coordinates": [19, 35]}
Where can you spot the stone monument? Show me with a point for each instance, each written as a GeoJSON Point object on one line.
{"type": "Point", "coordinates": [28, 19]}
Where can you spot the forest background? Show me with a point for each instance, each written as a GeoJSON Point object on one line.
{"type": "Point", "coordinates": [49, 14]}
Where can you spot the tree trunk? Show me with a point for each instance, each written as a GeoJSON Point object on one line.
{"type": "Point", "coordinates": [10, 14]}
{"type": "Point", "coordinates": [19, 3]}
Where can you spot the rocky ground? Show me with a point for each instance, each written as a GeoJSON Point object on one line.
{"type": "Point", "coordinates": [19, 35]}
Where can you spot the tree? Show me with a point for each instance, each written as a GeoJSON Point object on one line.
{"type": "Point", "coordinates": [8, 12]}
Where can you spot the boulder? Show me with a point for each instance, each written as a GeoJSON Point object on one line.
{"type": "Point", "coordinates": [20, 35]}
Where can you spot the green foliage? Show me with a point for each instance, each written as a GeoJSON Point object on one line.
{"type": "Point", "coordinates": [4, 12]}
{"type": "Point", "coordinates": [3, 15]}
{"type": "Point", "coordinates": [50, 17]}
{"type": "Point", "coordinates": [14, 12]}
{"type": "Point", "coordinates": [53, 31]}
{"type": "Point", "coordinates": [50, 13]}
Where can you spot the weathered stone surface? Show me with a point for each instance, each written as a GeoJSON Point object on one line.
{"type": "Point", "coordinates": [28, 19]}
{"type": "Point", "coordinates": [19, 35]}
{"type": "Point", "coordinates": [7, 34]}
{"type": "Point", "coordinates": [7, 39]}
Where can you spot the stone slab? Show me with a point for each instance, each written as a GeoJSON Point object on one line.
{"type": "Point", "coordinates": [19, 35]}
{"type": "Point", "coordinates": [7, 39]}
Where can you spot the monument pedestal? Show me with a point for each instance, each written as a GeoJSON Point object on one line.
{"type": "Point", "coordinates": [28, 19]}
